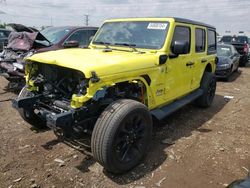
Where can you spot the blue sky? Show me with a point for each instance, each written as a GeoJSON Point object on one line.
{"type": "Point", "coordinates": [231, 15]}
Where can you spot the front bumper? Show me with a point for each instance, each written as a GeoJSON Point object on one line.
{"type": "Point", "coordinates": [64, 120]}
{"type": "Point", "coordinates": [223, 73]}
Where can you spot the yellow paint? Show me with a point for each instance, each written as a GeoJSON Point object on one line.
{"type": "Point", "coordinates": [168, 81]}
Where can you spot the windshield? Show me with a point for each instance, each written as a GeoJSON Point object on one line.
{"type": "Point", "coordinates": [54, 35]}
{"type": "Point", "coordinates": [223, 51]}
{"type": "Point", "coordinates": [226, 39]}
{"type": "Point", "coordinates": [239, 39]}
{"type": "Point", "coordinates": [149, 35]}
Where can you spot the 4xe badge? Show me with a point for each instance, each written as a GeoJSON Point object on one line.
{"type": "Point", "coordinates": [160, 92]}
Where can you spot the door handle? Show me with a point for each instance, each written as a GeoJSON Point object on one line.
{"type": "Point", "coordinates": [189, 64]}
{"type": "Point", "coordinates": [204, 60]}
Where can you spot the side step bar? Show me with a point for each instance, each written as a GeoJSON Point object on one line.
{"type": "Point", "coordinates": [161, 113]}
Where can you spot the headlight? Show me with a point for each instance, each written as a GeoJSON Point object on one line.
{"type": "Point", "coordinates": [224, 66]}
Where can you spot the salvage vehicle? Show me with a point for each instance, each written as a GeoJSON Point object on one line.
{"type": "Point", "coordinates": [26, 41]}
{"type": "Point", "coordinates": [136, 70]}
{"type": "Point", "coordinates": [228, 61]}
{"type": "Point", "coordinates": [241, 44]}
{"type": "Point", "coordinates": [4, 34]}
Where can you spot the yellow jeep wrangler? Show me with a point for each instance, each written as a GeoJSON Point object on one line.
{"type": "Point", "coordinates": [134, 70]}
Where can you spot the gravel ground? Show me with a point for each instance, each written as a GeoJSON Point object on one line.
{"type": "Point", "coordinates": [193, 148]}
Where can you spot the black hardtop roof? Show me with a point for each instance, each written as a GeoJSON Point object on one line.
{"type": "Point", "coordinates": [184, 20]}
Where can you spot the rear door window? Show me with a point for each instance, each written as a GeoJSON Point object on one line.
{"type": "Point", "coordinates": [200, 38]}
{"type": "Point", "coordinates": [211, 41]}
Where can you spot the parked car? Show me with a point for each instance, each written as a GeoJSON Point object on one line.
{"type": "Point", "coordinates": [241, 44]}
{"type": "Point", "coordinates": [4, 34]}
{"type": "Point", "coordinates": [134, 69]}
{"type": "Point", "coordinates": [65, 37]}
{"type": "Point", "coordinates": [228, 61]}
{"type": "Point", "coordinates": [26, 41]}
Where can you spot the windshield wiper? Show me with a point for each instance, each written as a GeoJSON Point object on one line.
{"type": "Point", "coordinates": [126, 44]}
{"type": "Point", "coordinates": [132, 46]}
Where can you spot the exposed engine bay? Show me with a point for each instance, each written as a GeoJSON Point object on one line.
{"type": "Point", "coordinates": [56, 84]}
{"type": "Point", "coordinates": [60, 81]}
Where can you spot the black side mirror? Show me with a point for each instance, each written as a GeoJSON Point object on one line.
{"type": "Point", "coordinates": [180, 47]}
{"type": "Point", "coordinates": [71, 44]}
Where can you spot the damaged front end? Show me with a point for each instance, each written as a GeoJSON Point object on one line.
{"type": "Point", "coordinates": [52, 88]}
{"type": "Point", "coordinates": [61, 97]}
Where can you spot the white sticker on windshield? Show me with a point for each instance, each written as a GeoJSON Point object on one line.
{"type": "Point", "coordinates": [159, 26]}
{"type": "Point", "coordinates": [226, 49]}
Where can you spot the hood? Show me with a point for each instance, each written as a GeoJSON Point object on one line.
{"type": "Point", "coordinates": [103, 63]}
{"type": "Point", "coordinates": [22, 28]}
{"type": "Point", "coordinates": [26, 41]}
{"type": "Point", "coordinates": [224, 60]}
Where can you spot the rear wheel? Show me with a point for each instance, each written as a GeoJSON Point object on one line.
{"type": "Point", "coordinates": [208, 85]}
{"type": "Point", "coordinates": [244, 62]}
{"type": "Point", "coordinates": [122, 135]}
{"type": "Point", "coordinates": [28, 114]}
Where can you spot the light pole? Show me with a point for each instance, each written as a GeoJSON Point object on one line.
{"type": "Point", "coordinates": [86, 19]}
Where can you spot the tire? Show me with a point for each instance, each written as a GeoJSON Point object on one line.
{"type": "Point", "coordinates": [29, 115]}
{"type": "Point", "coordinates": [208, 85]}
{"type": "Point", "coordinates": [122, 135]}
{"type": "Point", "coordinates": [236, 70]}
{"type": "Point", "coordinates": [244, 63]}
{"type": "Point", "coordinates": [227, 79]}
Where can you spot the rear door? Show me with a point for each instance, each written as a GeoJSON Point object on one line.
{"type": "Point", "coordinates": [200, 55]}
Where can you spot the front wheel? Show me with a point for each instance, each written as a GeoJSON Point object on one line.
{"type": "Point", "coordinates": [28, 115]}
{"type": "Point", "coordinates": [122, 135]}
{"type": "Point", "coordinates": [208, 85]}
